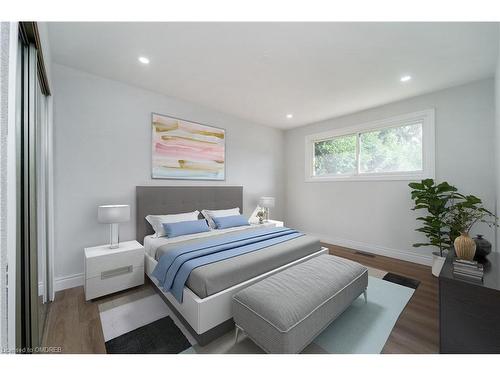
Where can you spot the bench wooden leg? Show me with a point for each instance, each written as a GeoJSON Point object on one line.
{"type": "Point", "coordinates": [365, 294]}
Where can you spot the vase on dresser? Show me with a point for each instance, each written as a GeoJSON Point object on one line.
{"type": "Point", "coordinates": [465, 247]}
{"type": "Point", "coordinates": [483, 247]}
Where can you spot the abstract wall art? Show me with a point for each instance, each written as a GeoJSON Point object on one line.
{"type": "Point", "coordinates": [186, 150]}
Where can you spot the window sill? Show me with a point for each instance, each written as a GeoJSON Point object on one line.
{"type": "Point", "coordinates": [372, 177]}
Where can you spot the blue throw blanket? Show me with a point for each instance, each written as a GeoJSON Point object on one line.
{"type": "Point", "coordinates": [174, 267]}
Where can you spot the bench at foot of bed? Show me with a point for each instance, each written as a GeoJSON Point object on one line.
{"type": "Point", "coordinates": [286, 311]}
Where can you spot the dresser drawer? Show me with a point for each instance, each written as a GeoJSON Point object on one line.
{"type": "Point", "coordinates": [114, 280]}
{"type": "Point", "coordinates": [104, 264]}
{"type": "Point", "coordinates": [468, 318]}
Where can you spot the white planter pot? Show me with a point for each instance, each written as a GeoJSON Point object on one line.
{"type": "Point", "coordinates": [437, 263]}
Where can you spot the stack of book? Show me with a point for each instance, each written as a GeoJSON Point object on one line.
{"type": "Point", "coordinates": [466, 269]}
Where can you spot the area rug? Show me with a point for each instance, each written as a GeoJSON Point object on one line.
{"type": "Point", "coordinates": [362, 329]}
{"type": "Point", "coordinates": [139, 322]}
{"type": "Point", "coordinates": [159, 337]}
{"type": "Point", "coordinates": [365, 327]}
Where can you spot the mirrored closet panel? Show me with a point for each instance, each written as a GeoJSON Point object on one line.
{"type": "Point", "coordinates": [33, 183]}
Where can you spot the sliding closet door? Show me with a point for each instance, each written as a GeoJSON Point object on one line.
{"type": "Point", "coordinates": [32, 144]}
{"type": "Point", "coordinates": [28, 205]}
{"type": "Point", "coordinates": [32, 221]}
{"type": "Point", "coordinates": [41, 193]}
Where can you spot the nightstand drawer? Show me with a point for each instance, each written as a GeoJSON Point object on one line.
{"type": "Point", "coordinates": [114, 280]}
{"type": "Point", "coordinates": [113, 262]}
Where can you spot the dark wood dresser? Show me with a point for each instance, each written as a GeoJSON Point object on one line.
{"type": "Point", "coordinates": [469, 312]}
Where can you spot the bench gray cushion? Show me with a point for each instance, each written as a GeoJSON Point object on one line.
{"type": "Point", "coordinates": [286, 311]}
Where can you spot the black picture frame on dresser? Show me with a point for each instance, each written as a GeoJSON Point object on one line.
{"type": "Point", "coordinates": [469, 312]}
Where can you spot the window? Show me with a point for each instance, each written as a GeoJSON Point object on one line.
{"type": "Point", "coordinates": [335, 156]}
{"type": "Point", "coordinates": [399, 148]}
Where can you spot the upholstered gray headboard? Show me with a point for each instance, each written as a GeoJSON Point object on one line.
{"type": "Point", "coordinates": [158, 200]}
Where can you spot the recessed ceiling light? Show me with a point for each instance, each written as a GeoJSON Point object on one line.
{"type": "Point", "coordinates": [289, 115]}
{"type": "Point", "coordinates": [143, 60]}
{"type": "Point", "coordinates": [405, 78]}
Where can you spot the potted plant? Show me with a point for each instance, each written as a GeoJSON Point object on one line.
{"type": "Point", "coordinates": [461, 217]}
{"type": "Point", "coordinates": [436, 199]}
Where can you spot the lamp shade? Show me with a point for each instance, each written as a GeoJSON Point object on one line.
{"type": "Point", "coordinates": [266, 202]}
{"type": "Point", "coordinates": [111, 214]}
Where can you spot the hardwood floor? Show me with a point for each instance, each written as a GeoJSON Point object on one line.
{"type": "Point", "coordinates": [417, 329]}
{"type": "Point", "coordinates": [74, 324]}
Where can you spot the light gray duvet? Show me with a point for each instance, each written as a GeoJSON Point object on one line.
{"type": "Point", "coordinates": [215, 277]}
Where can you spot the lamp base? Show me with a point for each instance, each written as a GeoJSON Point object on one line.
{"type": "Point", "coordinates": [266, 219]}
{"type": "Point", "coordinates": [114, 238]}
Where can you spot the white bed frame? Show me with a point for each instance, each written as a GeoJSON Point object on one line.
{"type": "Point", "coordinates": [203, 314]}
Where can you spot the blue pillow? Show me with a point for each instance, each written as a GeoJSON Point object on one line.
{"type": "Point", "coordinates": [230, 221]}
{"type": "Point", "coordinates": [185, 227]}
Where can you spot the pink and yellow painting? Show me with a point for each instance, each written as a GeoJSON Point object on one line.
{"type": "Point", "coordinates": [187, 150]}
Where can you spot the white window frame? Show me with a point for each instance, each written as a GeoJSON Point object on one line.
{"type": "Point", "coordinates": [426, 117]}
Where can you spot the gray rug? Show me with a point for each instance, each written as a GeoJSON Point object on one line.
{"type": "Point", "coordinates": [362, 329]}
{"type": "Point", "coordinates": [138, 321]}
{"type": "Point", "coordinates": [159, 337]}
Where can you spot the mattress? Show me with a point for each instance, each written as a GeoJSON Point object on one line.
{"type": "Point", "coordinates": [212, 278]}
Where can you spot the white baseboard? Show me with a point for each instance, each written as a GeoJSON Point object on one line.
{"type": "Point", "coordinates": [424, 259]}
{"type": "Point", "coordinates": [70, 281]}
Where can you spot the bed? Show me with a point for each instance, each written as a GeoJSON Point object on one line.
{"type": "Point", "coordinates": [206, 304]}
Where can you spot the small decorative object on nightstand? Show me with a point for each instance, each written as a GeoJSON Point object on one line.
{"type": "Point", "coordinates": [109, 271]}
{"type": "Point", "coordinates": [113, 214]}
{"type": "Point", "coordinates": [261, 214]}
{"type": "Point", "coordinates": [267, 203]}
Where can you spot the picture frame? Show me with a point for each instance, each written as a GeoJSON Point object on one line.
{"type": "Point", "coordinates": [186, 150]}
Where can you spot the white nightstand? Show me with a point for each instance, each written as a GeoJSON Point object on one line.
{"type": "Point", "coordinates": [276, 223]}
{"type": "Point", "coordinates": [269, 223]}
{"type": "Point", "coordinates": [111, 270]}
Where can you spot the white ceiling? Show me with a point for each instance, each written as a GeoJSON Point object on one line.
{"type": "Point", "coordinates": [263, 71]}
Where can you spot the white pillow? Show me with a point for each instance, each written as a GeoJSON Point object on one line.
{"type": "Point", "coordinates": [157, 221]}
{"type": "Point", "coordinates": [209, 214]}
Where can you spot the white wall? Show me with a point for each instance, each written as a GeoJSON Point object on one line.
{"type": "Point", "coordinates": [103, 151]}
{"type": "Point", "coordinates": [376, 216]}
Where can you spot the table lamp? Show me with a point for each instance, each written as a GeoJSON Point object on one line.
{"type": "Point", "coordinates": [113, 215]}
{"type": "Point", "coordinates": [267, 203]}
